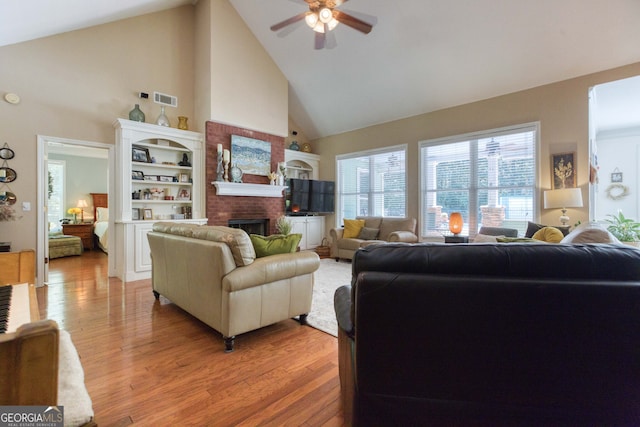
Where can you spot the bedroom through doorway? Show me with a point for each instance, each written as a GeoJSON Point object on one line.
{"type": "Point", "coordinates": [73, 188]}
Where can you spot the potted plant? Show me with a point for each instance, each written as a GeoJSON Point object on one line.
{"type": "Point", "coordinates": [624, 229]}
{"type": "Point", "coordinates": [283, 225]}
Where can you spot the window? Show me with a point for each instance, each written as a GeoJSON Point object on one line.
{"type": "Point", "coordinates": [55, 192]}
{"type": "Point", "coordinates": [372, 183]}
{"type": "Point", "coordinates": [489, 177]}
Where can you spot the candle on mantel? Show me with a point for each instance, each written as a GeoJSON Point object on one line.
{"type": "Point", "coordinates": [3, 173]}
{"type": "Point", "coordinates": [227, 155]}
{"type": "Point", "coordinates": [219, 150]}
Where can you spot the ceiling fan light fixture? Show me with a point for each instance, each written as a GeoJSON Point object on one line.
{"type": "Point", "coordinates": [311, 19]}
{"type": "Point", "coordinates": [333, 23]}
{"type": "Point", "coordinates": [325, 15]}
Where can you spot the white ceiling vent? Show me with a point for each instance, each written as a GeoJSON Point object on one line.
{"type": "Point", "coordinates": [164, 99]}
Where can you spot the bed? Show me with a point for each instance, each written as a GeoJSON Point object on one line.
{"type": "Point", "coordinates": [101, 220]}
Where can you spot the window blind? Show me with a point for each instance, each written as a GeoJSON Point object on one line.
{"type": "Point", "coordinates": [372, 183]}
{"type": "Point", "coordinates": [489, 177]}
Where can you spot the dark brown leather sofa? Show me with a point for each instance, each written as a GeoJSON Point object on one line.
{"type": "Point", "coordinates": [491, 334]}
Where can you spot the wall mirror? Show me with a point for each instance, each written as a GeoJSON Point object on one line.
{"type": "Point", "coordinates": [6, 153]}
{"type": "Point", "coordinates": [7, 198]}
{"type": "Point", "coordinates": [7, 174]}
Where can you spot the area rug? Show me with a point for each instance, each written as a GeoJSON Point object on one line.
{"type": "Point", "coordinates": [329, 277]}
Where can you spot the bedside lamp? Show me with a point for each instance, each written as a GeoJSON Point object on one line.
{"type": "Point", "coordinates": [455, 222]}
{"type": "Point", "coordinates": [82, 203]}
{"type": "Point", "coordinates": [563, 198]}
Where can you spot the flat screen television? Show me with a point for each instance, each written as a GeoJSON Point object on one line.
{"type": "Point", "coordinates": [308, 196]}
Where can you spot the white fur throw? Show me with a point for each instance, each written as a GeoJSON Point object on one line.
{"type": "Point", "coordinates": [72, 393]}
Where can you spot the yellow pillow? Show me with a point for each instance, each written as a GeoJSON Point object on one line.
{"type": "Point", "coordinates": [548, 234]}
{"type": "Point", "coordinates": [352, 228]}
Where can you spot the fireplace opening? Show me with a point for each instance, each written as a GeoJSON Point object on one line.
{"type": "Point", "coordinates": [251, 226]}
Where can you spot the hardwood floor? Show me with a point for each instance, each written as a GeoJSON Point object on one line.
{"type": "Point", "coordinates": [150, 363]}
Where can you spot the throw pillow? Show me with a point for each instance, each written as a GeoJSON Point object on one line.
{"type": "Point", "coordinates": [275, 244]}
{"type": "Point", "coordinates": [368, 233]}
{"type": "Point", "coordinates": [352, 228]}
{"type": "Point", "coordinates": [548, 234]}
{"type": "Point", "coordinates": [590, 232]}
{"type": "Point", "coordinates": [532, 227]}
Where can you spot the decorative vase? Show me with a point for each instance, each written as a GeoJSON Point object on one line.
{"type": "Point", "coordinates": [162, 119]}
{"type": "Point", "coordinates": [182, 123]}
{"type": "Point", "coordinates": [136, 114]}
{"type": "Point", "coordinates": [294, 146]}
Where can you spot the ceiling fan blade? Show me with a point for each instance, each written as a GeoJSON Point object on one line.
{"type": "Point", "coordinates": [352, 21]}
{"type": "Point", "coordinates": [330, 40]}
{"type": "Point", "coordinates": [319, 40]}
{"type": "Point", "coordinates": [293, 19]}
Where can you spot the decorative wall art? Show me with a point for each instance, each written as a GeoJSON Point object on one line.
{"type": "Point", "coordinates": [563, 170]}
{"type": "Point", "coordinates": [252, 156]}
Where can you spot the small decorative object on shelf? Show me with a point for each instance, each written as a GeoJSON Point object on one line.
{"type": "Point", "coordinates": [182, 123]}
{"type": "Point", "coordinates": [236, 174]}
{"type": "Point", "coordinates": [162, 119]}
{"type": "Point", "coordinates": [185, 160]}
{"type": "Point", "coordinates": [294, 144]}
{"type": "Point", "coordinates": [306, 147]}
{"type": "Point", "coordinates": [220, 168]}
{"type": "Point", "coordinates": [272, 178]}
{"type": "Point", "coordinates": [136, 114]}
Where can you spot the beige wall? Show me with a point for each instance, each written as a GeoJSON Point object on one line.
{"type": "Point", "coordinates": [248, 90]}
{"type": "Point", "coordinates": [561, 108]}
{"type": "Point", "coordinates": [74, 85]}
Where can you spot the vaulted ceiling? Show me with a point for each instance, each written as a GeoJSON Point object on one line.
{"type": "Point", "coordinates": [422, 55]}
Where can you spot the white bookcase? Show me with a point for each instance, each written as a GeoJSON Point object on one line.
{"type": "Point", "coordinates": [302, 165]}
{"type": "Point", "coordinates": [153, 183]}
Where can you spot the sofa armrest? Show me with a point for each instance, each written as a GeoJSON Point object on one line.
{"type": "Point", "coordinates": [403, 236]}
{"type": "Point", "coordinates": [342, 307]}
{"type": "Point", "coordinates": [271, 269]}
{"type": "Point", "coordinates": [335, 234]}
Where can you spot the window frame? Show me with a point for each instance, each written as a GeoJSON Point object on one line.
{"type": "Point", "coordinates": [484, 134]}
{"type": "Point", "coordinates": [370, 194]}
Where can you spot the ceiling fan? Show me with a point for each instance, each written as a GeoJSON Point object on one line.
{"type": "Point", "coordinates": [323, 16]}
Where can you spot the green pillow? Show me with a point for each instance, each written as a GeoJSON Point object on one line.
{"type": "Point", "coordinates": [275, 244]}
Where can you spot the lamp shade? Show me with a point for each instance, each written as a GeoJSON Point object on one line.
{"type": "Point", "coordinates": [82, 204]}
{"type": "Point", "coordinates": [563, 198]}
{"type": "Point", "coordinates": [455, 222]}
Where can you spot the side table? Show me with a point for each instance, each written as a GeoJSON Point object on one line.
{"type": "Point", "coordinates": [83, 231]}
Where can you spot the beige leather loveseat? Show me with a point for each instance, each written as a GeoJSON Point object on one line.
{"type": "Point", "coordinates": [212, 272]}
{"type": "Point", "coordinates": [388, 230]}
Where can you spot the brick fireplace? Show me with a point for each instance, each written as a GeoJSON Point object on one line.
{"type": "Point", "coordinates": [221, 209]}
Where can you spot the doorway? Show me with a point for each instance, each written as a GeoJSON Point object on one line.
{"type": "Point", "coordinates": [614, 139]}
{"type": "Point", "coordinates": [76, 150]}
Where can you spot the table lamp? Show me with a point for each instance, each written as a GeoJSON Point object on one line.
{"type": "Point", "coordinates": [563, 198]}
{"type": "Point", "coordinates": [455, 223]}
{"type": "Point", "coordinates": [82, 203]}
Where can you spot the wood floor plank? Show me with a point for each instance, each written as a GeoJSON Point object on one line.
{"type": "Point", "coordinates": [148, 362]}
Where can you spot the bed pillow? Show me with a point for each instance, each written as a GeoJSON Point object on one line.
{"type": "Point", "coordinates": [102, 214]}
{"type": "Point", "coordinates": [532, 227]}
{"type": "Point", "coordinates": [352, 228]}
{"type": "Point", "coordinates": [484, 238]}
{"type": "Point", "coordinates": [275, 244]}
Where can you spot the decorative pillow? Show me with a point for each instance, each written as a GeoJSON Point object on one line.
{"type": "Point", "coordinates": [102, 214]}
{"type": "Point", "coordinates": [548, 234]}
{"type": "Point", "coordinates": [275, 244]}
{"type": "Point", "coordinates": [532, 227]}
{"type": "Point", "coordinates": [352, 228]}
{"type": "Point", "coordinates": [368, 233]}
{"type": "Point", "coordinates": [590, 232]}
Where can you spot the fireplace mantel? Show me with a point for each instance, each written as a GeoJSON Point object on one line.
{"type": "Point", "coordinates": [244, 189]}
